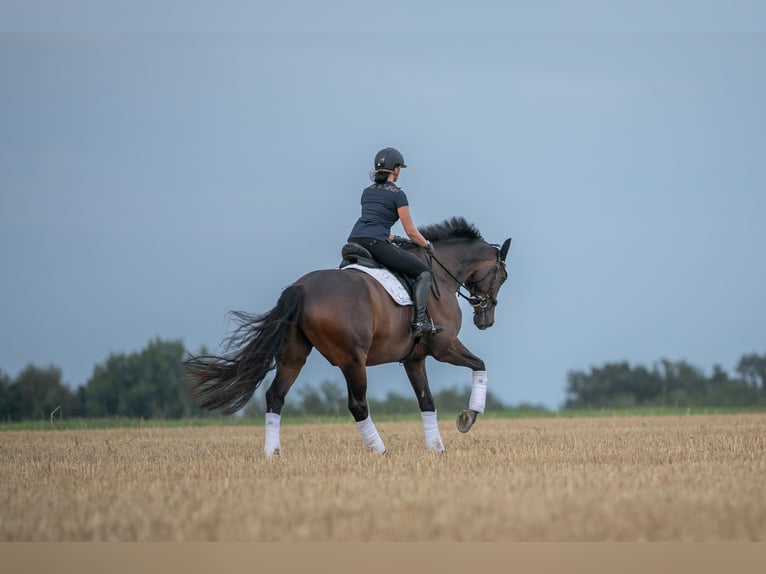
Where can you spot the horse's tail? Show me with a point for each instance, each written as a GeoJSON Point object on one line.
{"type": "Point", "coordinates": [228, 382]}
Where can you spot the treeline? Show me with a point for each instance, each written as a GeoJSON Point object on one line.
{"type": "Point", "coordinates": [144, 384]}
{"type": "Point", "coordinates": [668, 383]}
{"type": "Point", "coordinates": [150, 384]}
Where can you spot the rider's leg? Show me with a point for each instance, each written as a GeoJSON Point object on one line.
{"type": "Point", "coordinates": [420, 297]}
{"type": "Point", "coordinates": [398, 259]}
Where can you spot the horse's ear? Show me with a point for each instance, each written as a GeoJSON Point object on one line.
{"type": "Point", "coordinates": [504, 249]}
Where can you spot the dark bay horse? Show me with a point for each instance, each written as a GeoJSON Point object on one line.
{"type": "Point", "coordinates": [354, 323]}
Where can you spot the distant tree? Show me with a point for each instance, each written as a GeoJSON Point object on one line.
{"type": "Point", "coordinates": [752, 369]}
{"type": "Point", "coordinates": [620, 384]}
{"type": "Point", "coordinates": [718, 380]}
{"type": "Point", "coordinates": [578, 390]}
{"type": "Point", "coordinates": [675, 383]}
{"type": "Point", "coordinates": [10, 401]}
{"type": "Point", "coordinates": [146, 384]}
{"type": "Point", "coordinates": [613, 385]}
{"type": "Point", "coordinates": [686, 384]}
{"type": "Point", "coordinates": [39, 390]}
{"type": "Point", "coordinates": [329, 399]}
{"type": "Point", "coordinates": [394, 404]}
{"type": "Point", "coordinates": [736, 393]}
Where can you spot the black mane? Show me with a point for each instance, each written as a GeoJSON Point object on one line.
{"type": "Point", "coordinates": [453, 228]}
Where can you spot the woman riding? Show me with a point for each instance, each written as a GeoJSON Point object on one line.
{"type": "Point", "coordinates": [383, 203]}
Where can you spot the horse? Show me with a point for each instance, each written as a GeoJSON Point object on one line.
{"type": "Point", "coordinates": [354, 323]}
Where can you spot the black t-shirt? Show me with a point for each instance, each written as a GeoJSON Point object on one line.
{"type": "Point", "coordinates": [380, 204]}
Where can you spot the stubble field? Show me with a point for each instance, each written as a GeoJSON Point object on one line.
{"type": "Point", "coordinates": [667, 478]}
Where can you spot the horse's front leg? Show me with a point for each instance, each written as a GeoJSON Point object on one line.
{"type": "Point", "coordinates": [456, 354]}
{"type": "Point", "coordinates": [416, 372]}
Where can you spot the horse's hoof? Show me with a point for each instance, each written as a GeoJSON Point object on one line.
{"type": "Point", "coordinates": [275, 454]}
{"type": "Point", "coordinates": [465, 420]}
{"type": "Point", "coordinates": [436, 448]}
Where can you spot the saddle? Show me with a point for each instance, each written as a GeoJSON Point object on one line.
{"type": "Point", "coordinates": [355, 254]}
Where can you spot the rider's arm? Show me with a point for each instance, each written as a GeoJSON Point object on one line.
{"type": "Point", "coordinates": [409, 227]}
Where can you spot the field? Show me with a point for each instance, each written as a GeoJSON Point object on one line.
{"type": "Point", "coordinates": [660, 478]}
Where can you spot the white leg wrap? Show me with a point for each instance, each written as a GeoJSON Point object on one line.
{"type": "Point", "coordinates": [370, 435]}
{"type": "Point", "coordinates": [431, 430]}
{"type": "Point", "coordinates": [478, 391]}
{"type": "Point", "coordinates": [271, 435]}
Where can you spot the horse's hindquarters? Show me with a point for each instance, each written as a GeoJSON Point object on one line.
{"type": "Point", "coordinates": [349, 318]}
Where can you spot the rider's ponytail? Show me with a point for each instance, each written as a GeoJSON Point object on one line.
{"type": "Point", "coordinates": [379, 176]}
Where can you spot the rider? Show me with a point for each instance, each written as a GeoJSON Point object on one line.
{"type": "Point", "coordinates": [383, 203]}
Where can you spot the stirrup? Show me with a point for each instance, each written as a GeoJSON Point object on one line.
{"type": "Point", "coordinates": [420, 328]}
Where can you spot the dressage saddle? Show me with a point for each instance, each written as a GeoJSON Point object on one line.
{"type": "Point", "coordinates": [355, 254]}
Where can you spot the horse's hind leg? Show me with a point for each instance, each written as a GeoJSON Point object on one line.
{"type": "Point", "coordinates": [356, 383]}
{"type": "Point", "coordinates": [416, 372]}
{"type": "Point", "coordinates": [293, 357]}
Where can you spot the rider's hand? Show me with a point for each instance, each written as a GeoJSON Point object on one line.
{"type": "Point", "coordinates": [430, 249]}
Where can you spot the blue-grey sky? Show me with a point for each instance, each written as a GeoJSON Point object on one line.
{"type": "Point", "coordinates": [162, 166]}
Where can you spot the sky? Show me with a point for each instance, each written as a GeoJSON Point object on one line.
{"type": "Point", "coordinates": [162, 165]}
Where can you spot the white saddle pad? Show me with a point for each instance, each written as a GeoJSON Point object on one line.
{"type": "Point", "coordinates": [389, 281]}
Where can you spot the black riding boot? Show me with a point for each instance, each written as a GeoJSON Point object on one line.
{"type": "Point", "coordinates": [420, 298]}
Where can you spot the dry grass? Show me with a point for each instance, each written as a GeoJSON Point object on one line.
{"type": "Point", "coordinates": [639, 478]}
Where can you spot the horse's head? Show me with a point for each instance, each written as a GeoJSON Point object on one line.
{"type": "Point", "coordinates": [476, 265]}
{"type": "Point", "coordinates": [484, 284]}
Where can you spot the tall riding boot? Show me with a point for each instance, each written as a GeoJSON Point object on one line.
{"type": "Point", "coordinates": [420, 298]}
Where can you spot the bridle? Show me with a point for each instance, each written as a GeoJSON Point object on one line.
{"type": "Point", "coordinates": [483, 301]}
{"type": "Point", "coordinates": [479, 302]}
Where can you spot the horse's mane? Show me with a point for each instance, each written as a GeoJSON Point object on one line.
{"type": "Point", "coordinates": [453, 228]}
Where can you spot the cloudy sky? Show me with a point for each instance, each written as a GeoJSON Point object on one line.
{"type": "Point", "coordinates": [162, 165]}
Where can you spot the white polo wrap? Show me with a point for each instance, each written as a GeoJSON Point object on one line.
{"type": "Point", "coordinates": [271, 435]}
{"type": "Point", "coordinates": [478, 391]}
{"type": "Point", "coordinates": [431, 429]}
{"type": "Point", "coordinates": [370, 435]}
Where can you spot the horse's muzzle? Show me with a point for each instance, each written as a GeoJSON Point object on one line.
{"type": "Point", "coordinates": [482, 321]}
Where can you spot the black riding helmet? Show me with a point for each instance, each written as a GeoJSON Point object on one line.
{"type": "Point", "coordinates": [387, 159]}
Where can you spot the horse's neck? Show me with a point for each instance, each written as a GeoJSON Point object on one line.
{"type": "Point", "coordinates": [462, 259]}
